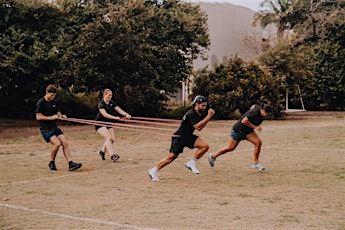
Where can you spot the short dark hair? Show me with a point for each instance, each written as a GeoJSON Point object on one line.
{"type": "Point", "coordinates": [266, 107]}
{"type": "Point", "coordinates": [51, 89]}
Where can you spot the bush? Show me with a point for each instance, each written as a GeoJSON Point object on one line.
{"type": "Point", "coordinates": [234, 86]}
{"type": "Point", "coordinates": [176, 113]}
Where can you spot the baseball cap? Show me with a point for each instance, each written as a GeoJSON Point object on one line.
{"type": "Point", "coordinates": [199, 99]}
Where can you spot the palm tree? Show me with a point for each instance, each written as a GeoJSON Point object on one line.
{"type": "Point", "coordinates": [277, 12]}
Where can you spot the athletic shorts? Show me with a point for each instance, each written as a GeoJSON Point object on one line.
{"type": "Point", "coordinates": [49, 133]}
{"type": "Point", "coordinates": [98, 126]}
{"type": "Point", "coordinates": [178, 143]}
{"type": "Point", "coordinates": [238, 136]}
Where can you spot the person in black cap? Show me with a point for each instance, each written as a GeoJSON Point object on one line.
{"type": "Point", "coordinates": [244, 130]}
{"type": "Point", "coordinates": [195, 118]}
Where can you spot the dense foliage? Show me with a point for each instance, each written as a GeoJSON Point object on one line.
{"type": "Point", "coordinates": [234, 86]}
{"type": "Point", "coordinates": [313, 53]}
{"type": "Point", "coordinates": [141, 50]}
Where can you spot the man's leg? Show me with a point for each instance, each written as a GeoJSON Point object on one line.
{"type": "Point", "coordinates": [56, 145]}
{"type": "Point", "coordinates": [255, 139]}
{"type": "Point", "coordinates": [67, 152]}
{"type": "Point", "coordinates": [202, 148]}
{"type": "Point", "coordinates": [167, 160]}
{"type": "Point", "coordinates": [65, 147]}
{"type": "Point", "coordinates": [161, 164]}
{"type": "Point", "coordinates": [232, 146]}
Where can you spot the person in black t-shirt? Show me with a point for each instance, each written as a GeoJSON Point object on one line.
{"type": "Point", "coordinates": [47, 111]}
{"type": "Point", "coordinates": [107, 110]}
{"type": "Point", "coordinates": [195, 118]}
{"type": "Point", "coordinates": [244, 130]}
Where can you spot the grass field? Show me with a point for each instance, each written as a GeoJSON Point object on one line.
{"type": "Point", "coordinates": [302, 187]}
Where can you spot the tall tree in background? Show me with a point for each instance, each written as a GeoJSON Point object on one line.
{"type": "Point", "coordinates": [277, 12]}
{"type": "Point", "coordinates": [313, 56]}
{"type": "Point", "coordinates": [28, 55]}
{"type": "Point", "coordinates": [139, 50]}
{"type": "Point", "coordinates": [321, 38]}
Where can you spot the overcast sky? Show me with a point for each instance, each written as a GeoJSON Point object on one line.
{"type": "Point", "coordinates": [251, 4]}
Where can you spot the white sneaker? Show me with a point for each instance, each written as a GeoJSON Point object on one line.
{"type": "Point", "coordinates": [258, 167]}
{"type": "Point", "coordinates": [153, 174]}
{"type": "Point", "coordinates": [191, 165]}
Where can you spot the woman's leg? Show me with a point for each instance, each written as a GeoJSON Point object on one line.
{"type": "Point", "coordinates": [108, 135]}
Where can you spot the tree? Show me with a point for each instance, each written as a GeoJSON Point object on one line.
{"type": "Point", "coordinates": [28, 34]}
{"type": "Point", "coordinates": [319, 20]}
{"type": "Point", "coordinates": [313, 57]}
{"type": "Point", "coordinates": [234, 86]}
{"type": "Point", "coordinates": [278, 12]}
{"type": "Point", "coordinates": [140, 50]}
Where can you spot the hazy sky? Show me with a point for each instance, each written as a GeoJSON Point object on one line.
{"type": "Point", "coordinates": [251, 4]}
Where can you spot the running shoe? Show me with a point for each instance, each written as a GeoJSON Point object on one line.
{"type": "Point", "coordinates": [191, 165]}
{"type": "Point", "coordinates": [258, 166]}
{"type": "Point", "coordinates": [73, 166]}
{"type": "Point", "coordinates": [101, 155]}
{"type": "Point", "coordinates": [52, 166]}
{"type": "Point", "coordinates": [114, 157]}
{"type": "Point", "coordinates": [211, 160]}
{"type": "Point", "coordinates": [153, 174]}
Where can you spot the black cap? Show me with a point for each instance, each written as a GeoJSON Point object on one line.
{"type": "Point", "coordinates": [199, 99]}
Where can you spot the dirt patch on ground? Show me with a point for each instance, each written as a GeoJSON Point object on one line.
{"type": "Point", "coordinates": [28, 128]}
{"type": "Point", "coordinates": [301, 188]}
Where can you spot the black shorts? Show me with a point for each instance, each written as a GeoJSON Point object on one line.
{"type": "Point", "coordinates": [99, 126]}
{"type": "Point", "coordinates": [178, 143]}
{"type": "Point", "coordinates": [49, 133]}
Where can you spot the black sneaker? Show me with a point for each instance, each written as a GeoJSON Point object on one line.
{"type": "Point", "coordinates": [101, 155]}
{"type": "Point", "coordinates": [73, 166]}
{"type": "Point", "coordinates": [114, 157]}
{"type": "Point", "coordinates": [52, 166]}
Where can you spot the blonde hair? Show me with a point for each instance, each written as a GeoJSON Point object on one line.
{"type": "Point", "coordinates": [106, 91]}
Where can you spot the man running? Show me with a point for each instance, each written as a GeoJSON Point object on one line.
{"type": "Point", "coordinates": [195, 118]}
{"type": "Point", "coordinates": [244, 130]}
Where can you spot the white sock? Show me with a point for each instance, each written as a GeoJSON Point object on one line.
{"type": "Point", "coordinates": [155, 169]}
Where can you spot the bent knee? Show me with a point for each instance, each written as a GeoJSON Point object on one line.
{"type": "Point", "coordinates": [205, 147]}
{"type": "Point", "coordinates": [64, 144]}
{"type": "Point", "coordinates": [258, 143]}
{"type": "Point", "coordinates": [57, 144]}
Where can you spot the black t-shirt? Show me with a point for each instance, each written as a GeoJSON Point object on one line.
{"type": "Point", "coordinates": [47, 108]}
{"type": "Point", "coordinates": [109, 108]}
{"type": "Point", "coordinates": [190, 119]}
{"type": "Point", "coordinates": [254, 116]}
